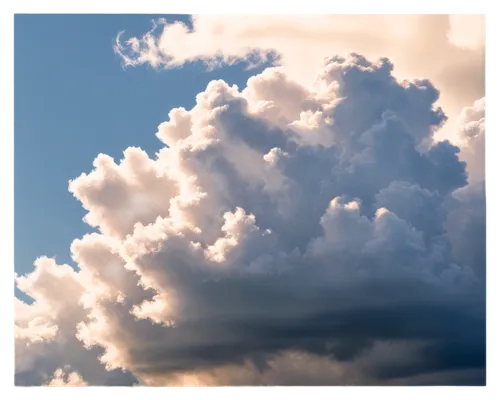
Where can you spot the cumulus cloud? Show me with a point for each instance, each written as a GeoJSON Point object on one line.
{"type": "Point", "coordinates": [466, 223]}
{"type": "Point", "coordinates": [63, 378]}
{"type": "Point", "coordinates": [283, 235]}
{"type": "Point", "coordinates": [448, 50]}
{"type": "Point", "coordinates": [472, 131]}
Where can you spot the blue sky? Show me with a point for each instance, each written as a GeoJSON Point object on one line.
{"type": "Point", "coordinates": [74, 100]}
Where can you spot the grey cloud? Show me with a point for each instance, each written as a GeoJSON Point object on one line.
{"type": "Point", "coordinates": [422, 208]}
{"type": "Point", "coordinates": [252, 238]}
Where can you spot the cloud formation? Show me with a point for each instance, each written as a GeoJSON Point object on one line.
{"type": "Point", "coordinates": [447, 49]}
{"type": "Point", "coordinates": [63, 378]}
{"type": "Point", "coordinates": [283, 235]}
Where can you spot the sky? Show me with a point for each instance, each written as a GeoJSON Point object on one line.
{"type": "Point", "coordinates": [301, 227]}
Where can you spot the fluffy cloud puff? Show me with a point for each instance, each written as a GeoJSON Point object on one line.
{"type": "Point", "coordinates": [283, 235]}
{"type": "Point", "coordinates": [63, 378]}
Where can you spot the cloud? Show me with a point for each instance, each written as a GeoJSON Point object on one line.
{"type": "Point", "coordinates": [284, 234]}
{"type": "Point", "coordinates": [467, 31]}
{"type": "Point", "coordinates": [45, 339]}
{"type": "Point", "coordinates": [64, 378]}
{"type": "Point", "coordinates": [466, 222]}
{"type": "Point", "coordinates": [448, 50]}
{"type": "Point", "coordinates": [472, 132]}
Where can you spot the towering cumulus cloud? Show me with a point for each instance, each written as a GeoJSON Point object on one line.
{"type": "Point", "coordinates": [283, 235]}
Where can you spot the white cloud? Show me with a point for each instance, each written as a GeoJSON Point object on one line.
{"type": "Point", "coordinates": [466, 222]}
{"type": "Point", "coordinates": [283, 229]}
{"type": "Point", "coordinates": [472, 132]}
{"type": "Point", "coordinates": [449, 50]}
{"type": "Point", "coordinates": [64, 378]}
